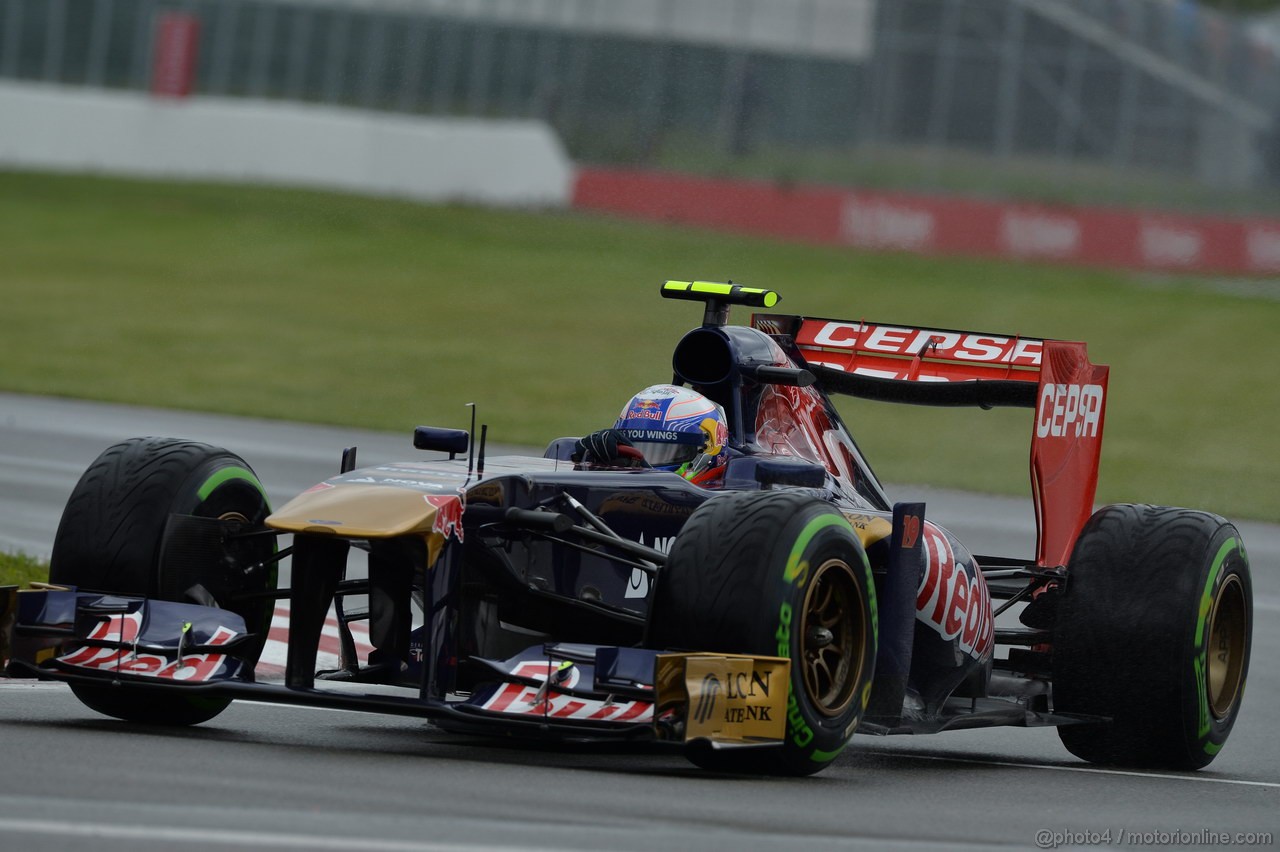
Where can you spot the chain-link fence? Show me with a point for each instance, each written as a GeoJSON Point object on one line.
{"type": "Point", "coordinates": [1079, 100]}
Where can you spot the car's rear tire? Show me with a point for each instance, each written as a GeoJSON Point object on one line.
{"type": "Point", "coordinates": [1154, 631]}
{"type": "Point", "coordinates": [778, 574]}
{"type": "Point", "coordinates": [109, 540]}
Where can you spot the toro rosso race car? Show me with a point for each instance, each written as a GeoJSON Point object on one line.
{"type": "Point", "coordinates": [756, 623]}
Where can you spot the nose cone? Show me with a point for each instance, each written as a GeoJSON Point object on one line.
{"type": "Point", "coordinates": [356, 511]}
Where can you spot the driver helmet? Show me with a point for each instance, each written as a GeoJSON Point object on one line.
{"type": "Point", "coordinates": [677, 429]}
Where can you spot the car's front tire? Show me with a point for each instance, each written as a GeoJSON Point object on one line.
{"type": "Point", "coordinates": [779, 574]}
{"type": "Point", "coordinates": [109, 540]}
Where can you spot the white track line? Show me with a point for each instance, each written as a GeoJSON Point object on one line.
{"type": "Point", "coordinates": [1090, 770]}
{"type": "Point", "coordinates": [182, 836]}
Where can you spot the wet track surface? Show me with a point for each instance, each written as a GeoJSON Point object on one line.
{"type": "Point", "coordinates": [271, 777]}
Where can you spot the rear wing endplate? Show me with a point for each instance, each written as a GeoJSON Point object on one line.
{"type": "Point", "coordinates": [931, 366]}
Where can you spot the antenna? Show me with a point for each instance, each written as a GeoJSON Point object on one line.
{"type": "Point", "coordinates": [484, 435]}
{"type": "Point", "coordinates": [471, 439]}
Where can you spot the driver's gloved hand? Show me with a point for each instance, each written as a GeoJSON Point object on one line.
{"type": "Point", "coordinates": [600, 447]}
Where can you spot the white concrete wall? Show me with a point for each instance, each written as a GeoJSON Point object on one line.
{"type": "Point", "coordinates": [836, 28]}
{"type": "Point", "coordinates": [499, 162]}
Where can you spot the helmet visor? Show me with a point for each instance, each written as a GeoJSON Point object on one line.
{"type": "Point", "coordinates": [664, 448]}
{"type": "Point", "coordinates": [664, 455]}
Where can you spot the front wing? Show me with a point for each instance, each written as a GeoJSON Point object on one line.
{"type": "Point", "coordinates": [558, 691]}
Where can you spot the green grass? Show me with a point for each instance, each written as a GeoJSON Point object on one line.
{"type": "Point", "coordinates": [20, 569]}
{"type": "Point", "coordinates": [344, 310]}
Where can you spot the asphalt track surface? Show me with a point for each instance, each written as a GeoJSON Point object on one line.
{"type": "Point", "coordinates": [271, 777]}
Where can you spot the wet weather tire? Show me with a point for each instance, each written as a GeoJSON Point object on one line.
{"type": "Point", "coordinates": [1153, 630]}
{"type": "Point", "coordinates": [777, 574]}
{"type": "Point", "coordinates": [109, 540]}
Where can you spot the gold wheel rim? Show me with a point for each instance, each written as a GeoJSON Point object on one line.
{"type": "Point", "coordinates": [1228, 629]}
{"type": "Point", "coordinates": [832, 635]}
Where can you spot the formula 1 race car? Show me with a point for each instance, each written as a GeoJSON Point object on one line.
{"type": "Point", "coordinates": [757, 624]}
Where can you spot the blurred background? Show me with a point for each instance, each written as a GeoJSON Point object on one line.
{"type": "Point", "coordinates": [1165, 103]}
{"type": "Point", "coordinates": [1098, 170]}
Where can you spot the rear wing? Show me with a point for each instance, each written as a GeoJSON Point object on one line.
{"type": "Point", "coordinates": [932, 366]}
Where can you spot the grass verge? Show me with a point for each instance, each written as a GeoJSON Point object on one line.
{"type": "Point", "coordinates": [383, 314]}
{"type": "Point", "coordinates": [20, 569]}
